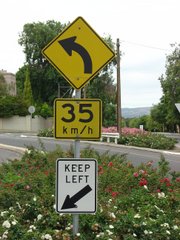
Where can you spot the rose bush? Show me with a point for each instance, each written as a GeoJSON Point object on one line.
{"type": "Point", "coordinates": [140, 138]}
{"type": "Point", "coordinates": [132, 137]}
{"type": "Point", "coordinates": [133, 202]}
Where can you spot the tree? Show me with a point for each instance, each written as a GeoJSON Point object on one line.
{"type": "Point", "coordinates": [12, 105]}
{"type": "Point", "coordinates": [102, 87]}
{"type": "Point", "coordinates": [3, 86]}
{"type": "Point", "coordinates": [153, 126]}
{"type": "Point", "coordinates": [159, 113]}
{"type": "Point", "coordinates": [44, 78]}
{"type": "Point", "coordinates": [165, 112]}
{"type": "Point", "coordinates": [27, 92]}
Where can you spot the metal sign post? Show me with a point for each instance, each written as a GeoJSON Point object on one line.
{"type": "Point", "coordinates": [31, 110]}
{"type": "Point", "coordinates": [76, 155]}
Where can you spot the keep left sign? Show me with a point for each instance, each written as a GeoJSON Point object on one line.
{"type": "Point", "coordinates": [76, 185]}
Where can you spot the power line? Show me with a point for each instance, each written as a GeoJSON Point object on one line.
{"type": "Point", "coordinates": [146, 46]}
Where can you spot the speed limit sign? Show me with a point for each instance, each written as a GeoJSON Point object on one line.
{"type": "Point", "coordinates": [77, 118]}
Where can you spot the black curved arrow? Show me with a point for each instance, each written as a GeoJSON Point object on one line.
{"type": "Point", "coordinates": [69, 202]}
{"type": "Point", "coordinates": [70, 45]}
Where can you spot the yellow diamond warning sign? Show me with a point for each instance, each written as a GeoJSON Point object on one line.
{"type": "Point", "coordinates": [77, 118]}
{"type": "Point", "coordinates": [78, 53]}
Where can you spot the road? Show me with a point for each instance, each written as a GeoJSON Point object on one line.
{"type": "Point", "coordinates": [6, 155]}
{"type": "Point", "coordinates": [135, 155]}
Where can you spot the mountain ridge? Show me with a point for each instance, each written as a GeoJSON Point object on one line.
{"type": "Point", "coordinates": [135, 112]}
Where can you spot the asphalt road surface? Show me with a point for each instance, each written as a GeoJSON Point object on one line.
{"type": "Point", "coordinates": [8, 155]}
{"type": "Point", "coordinates": [135, 155]}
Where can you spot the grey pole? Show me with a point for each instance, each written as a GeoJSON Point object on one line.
{"type": "Point", "coordinates": [76, 155]}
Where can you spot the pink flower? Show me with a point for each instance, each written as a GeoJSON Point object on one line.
{"type": "Point", "coordinates": [143, 182]}
{"type": "Point", "coordinates": [125, 130]}
{"type": "Point", "coordinates": [110, 164]}
{"type": "Point", "coordinates": [114, 194]}
{"type": "Point", "coordinates": [170, 190]}
{"type": "Point", "coordinates": [142, 171]}
{"type": "Point", "coordinates": [136, 174]}
{"type": "Point", "coordinates": [166, 181]}
{"type": "Point", "coordinates": [168, 184]}
{"type": "Point", "coordinates": [100, 170]}
{"type": "Point", "coordinates": [178, 179]}
{"type": "Point", "coordinates": [109, 130]}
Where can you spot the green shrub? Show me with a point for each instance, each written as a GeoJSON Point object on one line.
{"type": "Point", "coordinates": [133, 202]}
{"type": "Point", "coordinates": [44, 110]}
{"type": "Point", "coordinates": [139, 139]}
{"type": "Point", "coordinates": [12, 105]}
{"type": "Point", "coordinates": [47, 132]}
{"type": "Point", "coordinates": [148, 140]}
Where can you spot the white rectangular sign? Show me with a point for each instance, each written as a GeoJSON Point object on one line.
{"type": "Point", "coordinates": [76, 185]}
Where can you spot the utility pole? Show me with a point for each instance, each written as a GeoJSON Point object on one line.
{"type": "Point", "coordinates": [118, 88]}
{"type": "Point", "coordinates": [76, 155]}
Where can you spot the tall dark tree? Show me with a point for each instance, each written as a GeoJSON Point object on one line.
{"type": "Point", "coordinates": [166, 111]}
{"type": "Point", "coordinates": [102, 87]}
{"type": "Point", "coordinates": [44, 78]}
{"type": "Point", "coordinates": [159, 113]}
{"type": "Point", "coordinates": [27, 91]}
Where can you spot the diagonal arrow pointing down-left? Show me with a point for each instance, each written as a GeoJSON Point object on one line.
{"type": "Point", "coordinates": [69, 202]}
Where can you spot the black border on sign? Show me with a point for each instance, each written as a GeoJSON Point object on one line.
{"type": "Point", "coordinates": [59, 70]}
{"type": "Point", "coordinates": [57, 180]}
{"type": "Point", "coordinates": [80, 100]}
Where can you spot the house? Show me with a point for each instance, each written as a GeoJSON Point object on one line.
{"type": "Point", "coordinates": [10, 80]}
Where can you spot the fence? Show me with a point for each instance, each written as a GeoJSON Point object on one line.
{"type": "Point", "coordinates": [109, 136]}
{"type": "Point", "coordinates": [25, 124]}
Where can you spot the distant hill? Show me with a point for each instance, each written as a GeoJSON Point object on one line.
{"type": "Point", "coordinates": [135, 112]}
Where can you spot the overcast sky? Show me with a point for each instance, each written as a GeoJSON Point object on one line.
{"type": "Point", "coordinates": [146, 28]}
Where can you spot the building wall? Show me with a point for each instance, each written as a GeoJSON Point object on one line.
{"type": "Point", "coordinates": [10, 80]}
{"type": "Point", "coordinates": [23, 124]}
